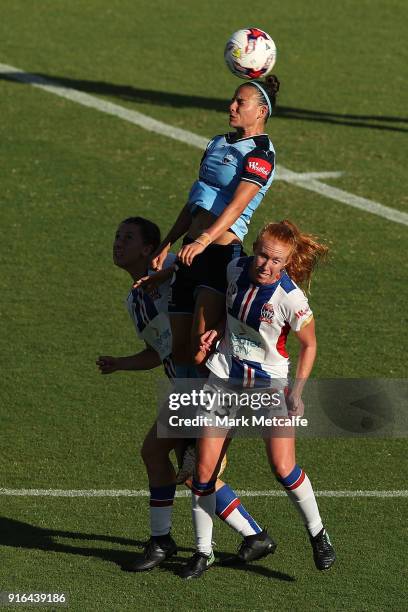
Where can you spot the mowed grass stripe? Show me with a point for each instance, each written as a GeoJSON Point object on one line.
{"type": "Point", "coordinates": [145, 493]}
{"type": "Point", "coordinates": [153, 125]}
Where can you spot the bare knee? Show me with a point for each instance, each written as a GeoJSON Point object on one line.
{"type": "Point", "coordinates": [281, 455]}
{"type": "Point", "coordinates": [205, 471]}
{"type": "Point", "coordinates": [208, 466]}
{"type": "Point", "coordinates": [282, 468]}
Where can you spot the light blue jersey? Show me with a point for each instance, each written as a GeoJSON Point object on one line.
{"type": "Point", "coordinates": [225, 163]}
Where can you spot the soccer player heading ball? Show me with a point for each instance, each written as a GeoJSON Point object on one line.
{"type": "Point", "coordinates": [236, 170]}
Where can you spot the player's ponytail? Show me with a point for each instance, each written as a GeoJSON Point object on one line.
{"type": "Point", "coordinates": [272, 85]}
{"type": "Point", "coordinates": [306, 250]}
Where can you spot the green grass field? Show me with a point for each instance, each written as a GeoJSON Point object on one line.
{"type": "Point", "coordinates": [71, 173]}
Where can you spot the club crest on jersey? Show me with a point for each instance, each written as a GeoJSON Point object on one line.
{"type": "Point", "coordinates": [267, 313]}
{"type": "Point", "coordinates": [228, 159]}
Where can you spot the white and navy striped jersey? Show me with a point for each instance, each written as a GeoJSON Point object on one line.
{"type": "Point", "coordinates": [150, 317]}
{"type": "Point", "coordinates": [259, 318]}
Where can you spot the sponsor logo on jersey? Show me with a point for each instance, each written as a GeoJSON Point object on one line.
{"type": "Point", "coordinates": [161, 339]}
{"type": "Point", "coordinates": [260, 167]}
{"type": "Point", "coordinates": [242, 345]}
{"type": "Point", "coordinates": [267, 313]}
{"type": "Point", "coordinates": [301, 313]}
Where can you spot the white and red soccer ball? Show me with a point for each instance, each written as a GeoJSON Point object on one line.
{"type": "Point", "coordinates": [250, 53]}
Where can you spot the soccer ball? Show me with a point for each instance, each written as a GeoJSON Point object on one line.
{"type": "Point", "coordinates": [250, 53]}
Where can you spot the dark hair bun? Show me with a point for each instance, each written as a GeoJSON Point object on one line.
{"type": "Point", "coordinates": [272, 84]}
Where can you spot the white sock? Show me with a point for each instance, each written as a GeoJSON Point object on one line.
{"type": "Point", "coordinates": [300, 492]}
{"type": "Point", "coordinates": [160, 520]}
{"type": "Point", "coordinates": [203, 510]}
{"type": "Point", "coordinates": [230, 510]}
{"type": "Point", "coordinates": [161, 508]}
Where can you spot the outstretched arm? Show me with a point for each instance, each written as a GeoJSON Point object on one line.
{"type": "Point", "coordinates": [179, 228]}
{"type": "Point", "coordinates": [150, 283]}
{"type": "Point", "coordinates": [147, 359]}
{"type": "Point", "coordinates": [242, 196]}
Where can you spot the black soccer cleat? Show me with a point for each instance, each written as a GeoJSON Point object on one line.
{"type": "Point", "coordinates": [323, 551]}
{"type": "Point", "coordinates": [252, 548]}
{"type": "Point", "coordinates": [157, 549]}
{"type": "Point", "coordinates": [197, 565]}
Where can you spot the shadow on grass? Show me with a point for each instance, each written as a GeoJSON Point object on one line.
{"type": "Point", "coordinates": [176, 100]}
{"type": "Point", "coordinates": [17, 534]}
{"type": "Point", "coordinates": [23, 535]}
{"type": "Point", "coordinates": [176, 564]}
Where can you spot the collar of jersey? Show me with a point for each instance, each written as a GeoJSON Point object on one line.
{"type": "Point", "coordinates": [230, 141]}
{"type": "Point", "coordinates": [147, 273]}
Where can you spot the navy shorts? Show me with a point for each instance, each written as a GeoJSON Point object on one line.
{"type": "Point", "coordinates": [208, 270]}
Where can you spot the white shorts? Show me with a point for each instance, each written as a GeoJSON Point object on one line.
{"type": "Point", "coordinates": [229, 406]}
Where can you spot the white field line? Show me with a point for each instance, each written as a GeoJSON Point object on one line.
{"type": "Point", "coordinates": [306, 180]}
{"type": "Point", "coordinates": [307, 176]}
{"type": "Point", "coordinates": [183, 493]}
